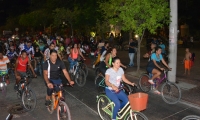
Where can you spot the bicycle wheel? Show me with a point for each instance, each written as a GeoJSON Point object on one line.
{"type": "Point", "coordinates": [191, 117]}
{"type": "Point", "coordinates": [170, 93]}
{"type": "Point", "coordinates": [80, 78]}
{"type": "Point", "coordinates": [50, 108]}
{"type": "Point", "coordinates": [99, 79]}
{"type": "Point", "coordinates": [29, 73]}
{"type": "Point", "coordinates": [102, 102]}
{"type": "Point", "coordinates": [4, 89]}
{"type": "Point", "coordinates": [144, 84]}
{"type": "Point", "coordinates": [84, 68]}
{"type": "Point", "coordinates": [127, 89]}
{"type": "Point", "coordinates": [63, 112]}
{"type": "Point", "coordinates": [29, 99]}
{"type": "Point", "coordinates": [135, 116]}
{"type": "Point", "coordinates": [97, 71]}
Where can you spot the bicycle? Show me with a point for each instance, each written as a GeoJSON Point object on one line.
{"type": "Point", "coordinates": [191, 117]}
{"type": "Point", "coordinates": [57, 101]}
{"type": "Point", "coordinates": [3, 82]}
{"type": "Point", "coordinates": [78, 75]}
{"type": "Point", "coordinates": [105, 109]}
{"type": "Point", "coordinates": [170, 92]}
{"type": "Point", "coordinates": [26, 94]}
{"type": "Point", "coordinates": [83, 66]}
{"type": "Point", "coordinates": [100, 85]}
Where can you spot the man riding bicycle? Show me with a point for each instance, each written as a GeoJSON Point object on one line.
{"type": "Point", "coordinates": [52, 69]}
{"type": "Point", "coordinates": [21, 67]}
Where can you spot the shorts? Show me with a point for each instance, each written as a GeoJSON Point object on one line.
{"type": "Point", "coordinates": [149, 69]}
{"type": "Point", "coordinates": [21, 74]}
{"type": "Point", "coordinates": [57, 82]}
{"type": "Point", "coordinates": [187, 64]}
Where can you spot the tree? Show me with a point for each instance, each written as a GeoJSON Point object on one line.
{"type": "Point", "coordinates": [137, 16]}
{"type": "Point", "coordinates": [35, 18]}
{"type": "Point", "coordinates": [65, 15]}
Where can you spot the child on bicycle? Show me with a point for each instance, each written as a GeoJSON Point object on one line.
{"type": "Point", "coordinates": [154, 68]}
{"type": "Point", "coordinates": [113, 77]}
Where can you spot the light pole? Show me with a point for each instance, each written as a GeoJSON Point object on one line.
{"type": "Point", "coordinates": [173, 40]}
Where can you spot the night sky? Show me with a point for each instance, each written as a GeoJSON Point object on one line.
{"type": "Point", "coordinates": [188, 10]}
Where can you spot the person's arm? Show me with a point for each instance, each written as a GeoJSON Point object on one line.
{"type": "Point", "coordinates": [107, 60]}
{"type": "Point", "coordinates": [164, 62]}
{"type": "Point", "coordinates": [29, 63]}
{"type": "Point", "coordinates": [127, 81]}
{"type": "Point", "coordinates": [80, 53]}
{"type": "Point", "coordinates": [41, 53]}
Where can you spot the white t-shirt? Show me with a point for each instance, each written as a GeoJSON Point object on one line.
{"type": "Point", "coordinates": [115, 77]}
{"type": "Point", "coordinates": [3, 63]}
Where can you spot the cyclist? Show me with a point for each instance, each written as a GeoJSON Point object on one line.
{"type": "Point", "coordinates": [29, 49]}
{"type": "Point", "coordinates": [38, 55]}
{"type": "Point", "coordinates": [11, 54]}
{"type": "Point", "coordinates": [52, 69]}
{"type": "Point", "coordinates": [21, 67]}
{"type": "Point", "coordinates": [74, 52]}
{"type": "Point", "coordinates": [107, 63]}
{"type": "Point", "coordinates": [154, 68]}
{"type": "Point", "coordinates": [113, 78]}
{"type": "Point", "coordinates": [47, 52]}
{"type": "Point", "coordinates": [3, 62]}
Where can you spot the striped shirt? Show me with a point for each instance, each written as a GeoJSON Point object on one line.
{"type": "Point", "coordinates": [3, 63]}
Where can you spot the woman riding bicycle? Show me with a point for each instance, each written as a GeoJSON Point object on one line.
{"type": "Point", "coordinates": [154, 68]}
{"type": "Point", "coordinates": [73, 56]}
{"type": "Point", "coordinates": [107, 63]}
{"type": "Point", "coordinates": [113, 77]}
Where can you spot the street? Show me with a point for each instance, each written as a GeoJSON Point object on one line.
{"type": "Point", "coordinates": [82, 103]}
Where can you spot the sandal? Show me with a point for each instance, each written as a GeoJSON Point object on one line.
{"type": "Point", "coordinates": [156, 92]}
{"type": "Point", "coordinates": [151, 82]}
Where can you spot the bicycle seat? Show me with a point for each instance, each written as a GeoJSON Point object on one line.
{"type": "Point", "coordinates": [57, 87]}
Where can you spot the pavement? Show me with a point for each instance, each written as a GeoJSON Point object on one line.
{"type": "Point", "coordinates": [82, 100]}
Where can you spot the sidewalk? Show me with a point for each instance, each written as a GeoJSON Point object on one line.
{"type": "Point", "coordinates": [190, 85]}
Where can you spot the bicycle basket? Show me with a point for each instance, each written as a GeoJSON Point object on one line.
{"type": "Point", "coordinates": [138, 101]}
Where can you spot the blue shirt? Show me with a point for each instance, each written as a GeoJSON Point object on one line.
{"type": "Point", "coordinates": [157, 59]}
{"type": "Point", "coordinates": [163, 47]}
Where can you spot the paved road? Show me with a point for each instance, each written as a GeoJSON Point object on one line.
{"type": "Point", "coordinates": [82, 103]}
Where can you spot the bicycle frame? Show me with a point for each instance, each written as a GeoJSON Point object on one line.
{"type": "Point", "coordinates": [161, 79]}
{"type": "Point", "coordinates": [123, 111]}
{"type": "Point", "coordinates": [56, 97]}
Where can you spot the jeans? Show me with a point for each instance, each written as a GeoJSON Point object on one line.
{"type": "Point", "coordinates": [72, 62]}
{"type": "Point", "coordinates": [131, 57]}
{"type": "Point", "coordinates": [116, 97]}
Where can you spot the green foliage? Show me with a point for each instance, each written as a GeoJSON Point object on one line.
{"type": "Point", "coordinates": [136, 15]}
{"type": "Point", "coordinates": [62, 14]}
{"type": "Point", "coordinates": [35, 18]}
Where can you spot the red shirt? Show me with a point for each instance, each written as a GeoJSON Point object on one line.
{"type": "Point", "coordinates": [22, 64]}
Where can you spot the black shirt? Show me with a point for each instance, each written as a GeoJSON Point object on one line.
{"type": "Point", "coordinates": [54, 70]}
{"type": "Point", "coordinates": [37, 53]}
{"type": "Point", "coordinates": [132, 50]}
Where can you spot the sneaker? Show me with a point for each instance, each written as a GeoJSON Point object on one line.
{"type": "Point", "coordinates": [47, 103]}
{"type": "Point", "coordinates": [93, 66]}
